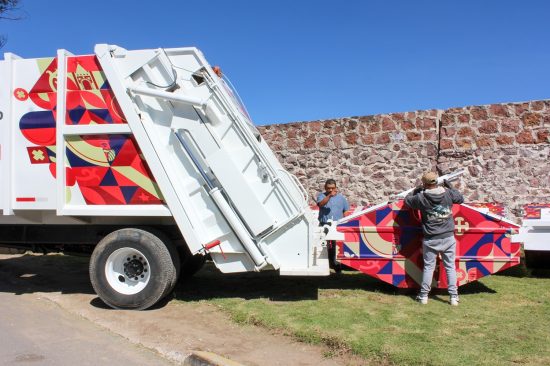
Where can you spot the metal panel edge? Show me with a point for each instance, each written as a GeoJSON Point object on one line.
{"type": "Point", "coordinates": [60, 127]}
{"type": "Point", "coordinates": [117, 210]}
{"type": "Point", "coordinates": [7, 152]}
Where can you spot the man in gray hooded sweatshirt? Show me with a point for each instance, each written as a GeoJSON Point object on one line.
{"type": "Point", "coordinates": [435, 204]}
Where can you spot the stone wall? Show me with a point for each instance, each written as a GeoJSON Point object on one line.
{"type": "Point", "coordinates": [504, 147]}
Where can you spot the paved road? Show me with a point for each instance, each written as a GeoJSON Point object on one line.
{"type": "Point", "coordinates": [35, 331]}
{"type": "Point", "coordinates": [50, 315]}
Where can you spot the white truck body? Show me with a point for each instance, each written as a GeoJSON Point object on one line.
{"type": "Point", "coordinates": [150, 136]}
{"type": "Point", "coordinates": [535, 233]}
{"type": "Point", "coordinates": [535, 228]}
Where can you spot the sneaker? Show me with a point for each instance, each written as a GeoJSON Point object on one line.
{"type": "Point", "coordinates": [422, 299]}
{"type": "Point", "coordinates": [454, 300]}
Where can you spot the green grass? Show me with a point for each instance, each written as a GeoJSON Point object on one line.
{"type": "Point", "coordinates": [502, 319]}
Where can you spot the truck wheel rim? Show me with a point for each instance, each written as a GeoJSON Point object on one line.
{"type": "Point", "coordinates": [127, 271]}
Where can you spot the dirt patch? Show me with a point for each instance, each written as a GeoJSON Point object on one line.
{"type": "Point", "coordinates": [173, 329]}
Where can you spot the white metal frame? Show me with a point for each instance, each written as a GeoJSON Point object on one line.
{"type": "Point", "coordinates": [7, 146]}
{"type": "Point", "coordinates": [103, 53]}
{"type": "Point", "coordinates": [535, 233]}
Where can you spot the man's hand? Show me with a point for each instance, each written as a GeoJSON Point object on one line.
{"type": "Point", "coordinates": [447, 184]}
{"type": "Point", "coordinates": [328, 196]}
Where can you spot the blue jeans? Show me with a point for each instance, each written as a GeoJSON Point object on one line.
{"type": "Point", "coordinates": [431, 248]}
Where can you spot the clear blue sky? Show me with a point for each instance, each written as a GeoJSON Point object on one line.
{"type": "Point", "coordinates": [306, 60]}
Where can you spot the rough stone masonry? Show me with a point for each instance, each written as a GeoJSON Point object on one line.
{"type": "Point", "coordinates": [504, 147]}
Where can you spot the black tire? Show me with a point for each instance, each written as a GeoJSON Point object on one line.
{"type": "Point", "coordinates": [174, 255]}
{"type": "Point", "coordinates": [126, 253]}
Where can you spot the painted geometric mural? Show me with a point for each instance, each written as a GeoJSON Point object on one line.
{"type": "Point", "coordinates": [386, 243]}
{"type": "Point", "coordinates": [109, 170]}
{"type": "Point", "coordinates": [106, 169]}
{"type": "Point", "coordinates": [90, 99]}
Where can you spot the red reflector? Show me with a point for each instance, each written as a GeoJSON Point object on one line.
{"type": "Point", "coordinates": [25, 199]}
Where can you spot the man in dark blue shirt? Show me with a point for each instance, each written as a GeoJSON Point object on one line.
{"type": "Point", "coordinates": [332, 206]}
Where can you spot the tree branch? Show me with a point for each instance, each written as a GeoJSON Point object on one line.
{"type": "Point", "coordinates": [7, 7]}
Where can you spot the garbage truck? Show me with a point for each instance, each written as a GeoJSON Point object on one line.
{"type": "Point", "coordinates": [149, 159]}
{"type": "Point", "coordinates": [149, 151]}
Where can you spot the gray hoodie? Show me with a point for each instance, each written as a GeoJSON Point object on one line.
{"type": "Point", "coordinates": [436, 207]}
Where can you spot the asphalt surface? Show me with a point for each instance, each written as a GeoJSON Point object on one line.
{"type": "Point", "coordinates": [50, 315]}
{"type": "Point", "coordinates": [36, 331]}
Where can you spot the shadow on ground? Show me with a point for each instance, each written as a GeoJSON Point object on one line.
{"type": "Point", "coordinates": [69, 274]}
{"type": "Point", "coordinates": [21, 274]}
{"type": "Point", "coordinates": [209, 283]}
{"type": "Point", "coordinates": [45, 273]}
{"type": "Point", "coordinates": [521, 270]}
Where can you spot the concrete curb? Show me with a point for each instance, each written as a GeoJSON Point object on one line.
{"type": "Point", "coordinates": [202, 358]}
{"type": "Point", "coordinates": [5, 250]}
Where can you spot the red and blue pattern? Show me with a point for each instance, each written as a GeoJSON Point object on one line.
{"type": "Point", "coordinates": [532, 211]}
{"type": "Point", "coordinates": [106, 169]}
{"type": "Point", "coordinates": [387, 244]}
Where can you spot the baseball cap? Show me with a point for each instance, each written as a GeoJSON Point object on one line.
{"type": "Point", "coordinates": [429, 178]}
